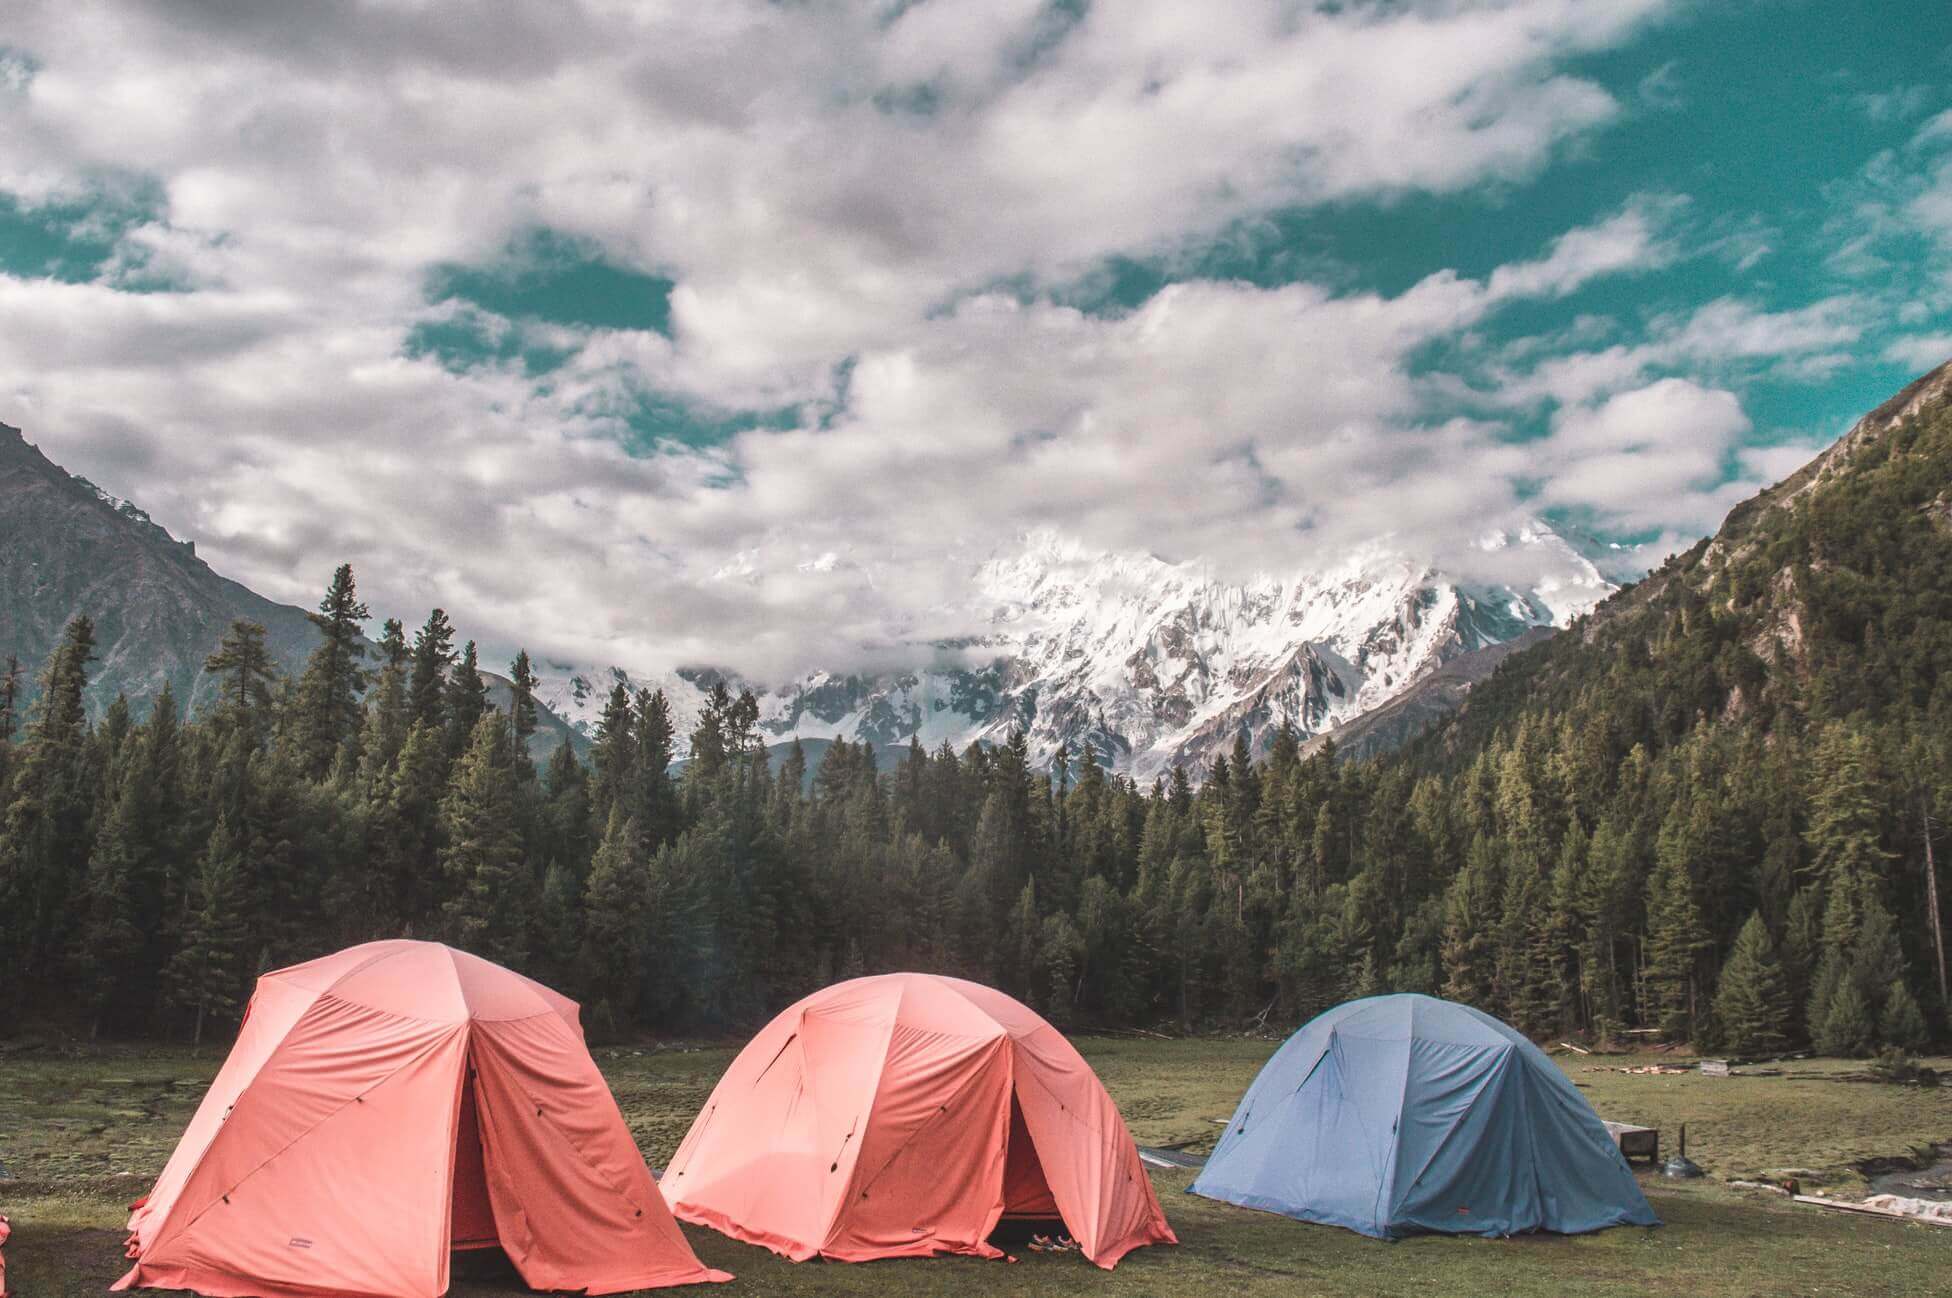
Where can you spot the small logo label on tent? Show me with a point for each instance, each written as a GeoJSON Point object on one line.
{"type": "Point", "coordinates": [301, 1243]}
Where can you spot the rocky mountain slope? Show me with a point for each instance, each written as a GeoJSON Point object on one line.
{"type": "Point", "coordinates": [1826, 595]}
{"type": "Point", "coordinates": [1154, 664]}
{"type": "Point", "coordinates": [1385, 728]}
{"type": "Point", "coordinates": [159, 610]}
{"type": "Point", "coordinates": [70, 548]}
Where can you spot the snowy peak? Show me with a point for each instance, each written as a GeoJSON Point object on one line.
{"type": "Point", "coordinates": [1151, 663]}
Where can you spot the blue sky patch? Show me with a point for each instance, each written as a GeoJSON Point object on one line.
{"type": "Point", "coordinates": [76, 240]}
{"type": "Point", "coordinates": [659, 419]}
{"type": "Point", "coordinates": [553, 278]}
{"type": "Point", "coordinates": [464, 339]}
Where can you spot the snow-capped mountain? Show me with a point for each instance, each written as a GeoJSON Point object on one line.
{"type": "Point", "coordinates": [1150, 663]}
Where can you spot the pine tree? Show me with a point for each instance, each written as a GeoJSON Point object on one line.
{"type": "Point", "coordinates": [46, 833]}
{"type": "Point", "coordinates": [1846, 818]}
{"type": "Point", "coordinates": [414, 806]}
{"type": "Point", "coordinates": [615, 902]}
{"type": "Point", "coordinates": [247, 672]}
{"type": "Point", "coordinates": [206, 976]}
{"type": "Point", "coordinates": [490, 897]}
{"type": "Point", "coordinates": [1675, 941]}
{"type": "Point", "coordinates": [1471, 912]}
{"type": "Point", "coordinates": [1846, 1025]}
{"type": "Point", "coordinates": [433, 653]}
{"type": "Point", "coordinates": [394, 651]}
{"type": "Point", "coordinates": [613, 756]}
{"type": "Point", "coordinates": [110, 943]}
{"type": "Point", "coordinates": [1802, 950]}
{"type": "Point", "coordinates": [558, 938]}
{"type": "Point", "coordinates": [521, 704]}
{"type": "Point", "coordinates": [652, 798]}
{"type": "Point", "coordinates": [120, 939]}
{"type": "Point", "coordinates": [1607, 902]}
{"type": "Point", "coordinates": [467, 700]}
{"type": "Point", "coordinates": [1877, 960]}
{"type": "Point", "coordinates": [387, 716]}
{"type": "Point", "coordinates": [1902, 1025]}
{"type": "Point", "coordinates": [1060, 949]}
{"type": "Point", "coordinates": [1024, 940]}
{"type": "Point", "coordinates": [329, 690]}
{"type": "Point", "coordinates": [709, 737]}
{"type": "Point", "coordinates": [1861, 955]}
{"type": "Point", "coordinates": [566, 812]}
{"type": "Point", "coordinates": [1752, 1004]}
{"type": "Point", "coordinates": [163, 868]}
{"type": "Point", "coordinates": [1368, 980]}
{"type": "Point", "coordinates": [1179, 791]}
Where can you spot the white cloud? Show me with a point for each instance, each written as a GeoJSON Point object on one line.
{"type": "Point", "coordinates": [1725, 337]}
{"type": "Point", "coordinates": [1630, 240]}
{"type": "Point", "coordinates": [826, 194]}
{"type": "Point", "coordinates": [1644, 459]}
{"type": "Point", "coordinates": [1920, 352]}
{"type": "Point", "coordinates": [1895, 105]}
{"type": "Point", "coordinates": [1768, 465]}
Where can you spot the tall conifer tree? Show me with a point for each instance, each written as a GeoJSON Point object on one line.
{"type": "Point", "coordinates": [433, 654]}
{"type": "Point", "coordinates": [207, 975]}
{"type": "Point", "coordinates": [490, 894]}
{"type": "Point", "coordinates": [329, 691]}
{"type": "Point", "coordinates": [1752, 1003]}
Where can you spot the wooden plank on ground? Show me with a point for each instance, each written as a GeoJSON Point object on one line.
{"type": "Point", "coordinates": [1865, 1209]}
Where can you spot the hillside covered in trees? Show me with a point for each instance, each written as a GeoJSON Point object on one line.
{"type": "Point", "coordinates": [1708, 808]}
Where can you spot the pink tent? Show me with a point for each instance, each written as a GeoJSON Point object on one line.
{"type": "Point", "coordinates": [905, 1115]}
{"type": "Point", "coordinates": [386, 1105]}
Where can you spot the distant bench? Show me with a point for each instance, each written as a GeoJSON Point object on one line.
{"type": "Point", "coordinates": [1635, 1142]}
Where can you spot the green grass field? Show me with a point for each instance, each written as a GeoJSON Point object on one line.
{"type": "Point", "coordinates": [83, 1132]}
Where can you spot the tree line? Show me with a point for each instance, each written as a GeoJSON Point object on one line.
{"type": "Point", "coordinates": [1630, 828]}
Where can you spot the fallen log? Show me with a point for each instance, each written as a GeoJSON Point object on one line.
{"type": "Point", "coordinates": [1758, 1185]}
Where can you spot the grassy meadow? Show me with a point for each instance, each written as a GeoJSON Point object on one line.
{"type": "Point", "coordinates": [83, 1131]}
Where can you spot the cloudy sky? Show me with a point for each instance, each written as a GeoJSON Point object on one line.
{"type": "Point", "coordinates": [734, 332]}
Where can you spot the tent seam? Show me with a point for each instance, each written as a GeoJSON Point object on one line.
{"type": "Point", "coordinates": [468, 1018]}
{"type": "Point", "coordinates": [863, 1120]}
{"type": "Point", "coordinates": [582, 1156]}
{"type": "Point", "coordinates": [913, 1136]}
{"type": "Point", "coordinates": [1402, 1105]}
{"type": "Point", "coordinates": [285, 1148]}
{"type": "Point", "coordinates": [1451, 1133]}
{"type": "Point", "coordinates": [204, 1153]}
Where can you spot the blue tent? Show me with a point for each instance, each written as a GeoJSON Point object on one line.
{"type": "Point", "coordinates": [1397, 1115]}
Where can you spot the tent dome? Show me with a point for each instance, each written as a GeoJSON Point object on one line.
{"type": "Point", "coordinates": [425, 980]}
{"type": "Point", "coordinates": [1397, 1115]}
{"type": "Point", "coordinates": [904, 1115]}
{"type": "Point", "coordinates": [386, 1105]}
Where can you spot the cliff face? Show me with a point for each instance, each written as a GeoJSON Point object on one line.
{"type": "Point", "coordinates": [70, 548]}
{"type": "Point", "coordinates": [1409, 714]}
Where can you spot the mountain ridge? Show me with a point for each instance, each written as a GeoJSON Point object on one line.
{"type": "Point", "coordinates": [1145, 662]}
{"type": "Point", "coordinates": [159, 609]}
{"type": "Point", "coordinates": [1768, 580]}
{"type": "Point", "coordinates": [1150, 663]}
